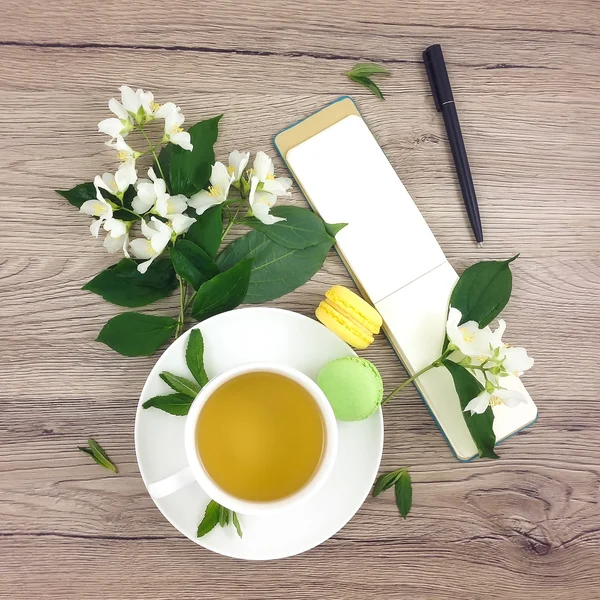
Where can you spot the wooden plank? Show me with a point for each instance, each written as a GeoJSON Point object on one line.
{"type": "Point", "coordinates": [526, 81]}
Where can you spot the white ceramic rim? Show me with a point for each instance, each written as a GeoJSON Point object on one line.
{"type": "Point", "coordinates": [318, 478]}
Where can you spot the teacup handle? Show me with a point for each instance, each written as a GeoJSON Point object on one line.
{"type": "Point", "coordinates": [171, 484]}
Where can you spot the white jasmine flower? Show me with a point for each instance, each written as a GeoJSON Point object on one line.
{"type": "Point", "coordinates": [263, 170]}
{"type": "Point", "coordinates": [220, 182]}
{"type": "Point", "coordinates": [115, 244]}
{"type": "Point", "coordinates": [122, 124]}
{"type": "Point", "coordinates": [174, 133]}
{"type": "Point", "coordinates": [97, 208]}
{"type": "Point", "coordinates": [261, 203]}
{"type": "Point", "coordinates": [168, 206]}
{"type": "Point", "coordinates": [124, 151]}
{"type": "Point", "coordinates": [149, 192]}
{"type": "Point", "coordinates": [157, 235]}
{"type": "Point", "coordinates": [181, 223]}
{"type": "Point", "coordinates": [118, 183]}
{"type": "Point", "coordinates": [515, 361]}
{"type": "Point", "coordinates": [469, 338]}
{"type": "Point", "coordinates": [138, 104]}
{"type": "Point", "coordinates": [117, 237]}
{"type": "Point", "coordinates": [238, 161]}
{"type": "Point", "coordinates": [510, 398]}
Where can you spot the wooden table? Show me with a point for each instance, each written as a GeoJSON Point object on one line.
{"type": "Point", "coordinates": [527, 83]}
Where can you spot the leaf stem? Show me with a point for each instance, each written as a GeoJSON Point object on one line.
{"type": "Point", "coordinates": [436, 363]}
{"type": "Point", "coordinates": [232, 221]}
{"type": "Point", "coordinates": [182, 295]}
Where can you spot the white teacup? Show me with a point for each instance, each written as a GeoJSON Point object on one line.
{"type": "Point", "coordinates": [195, 471]}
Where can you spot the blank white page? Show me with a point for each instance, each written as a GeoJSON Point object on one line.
{"type": "Point", "coordinates": [395, 260]}
{"type": "Point", "coordinates": [350, 180]}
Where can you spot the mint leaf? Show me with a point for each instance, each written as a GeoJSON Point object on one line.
{"type": "Point", "coordinates": [181, 384]}
{"type": "Point", "coordinates": [369, 84]}
{"type": "Point", "coordinates": [366, 70]}
{"type": "Point", "coordinates": [481, 426]}
{"type": "Point", "coordinates": [276, 270]}
{"type": "Point", "coordinates": [124, 285]}
{"type": "Point", "coordinates": [135, 334]}
{"type": "Point", "coordinates": [192, 263]}
{"type": "Point", "coordinates": [210, 520]}
{"type": "Point", "coordinates": [194, 357]}
{"type": "Point", "coordinates": [224, 516]}
{"type": "Point", "coordinates": [189, 170]}
{"type": "Point", "coordinates": [483, 290]}
{"type": "Point", "coordinates": [301, 229]}
{"type": "Point", "coordinates": [207, 230]}
{"type": "Point", "coordinates": [403, 489]}
{"type": "Point", "coordinates": [97, 453]}
{"type": "Point", "coordinates": [236, 523]}
{"type": "Point", "coordinates": [79, 194]}
{"type": "Point", "coordinates": [174, 404]}
{"type": "Point", "coordinates": [223, 292]}
{"type": "Point", "coordinates": [385, 481]}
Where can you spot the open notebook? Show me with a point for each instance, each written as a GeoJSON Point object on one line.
{"type": "Point", "coordinates": [390, 252]}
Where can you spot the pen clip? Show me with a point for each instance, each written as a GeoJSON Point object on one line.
{"type": "Point", "coordinates": [434, 91]}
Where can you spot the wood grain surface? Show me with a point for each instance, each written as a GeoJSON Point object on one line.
{"type": "Point", "coordinates": [526, 78]}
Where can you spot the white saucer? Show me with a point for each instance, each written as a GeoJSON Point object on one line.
{"type": "Point", "coordinates": [232, 339]}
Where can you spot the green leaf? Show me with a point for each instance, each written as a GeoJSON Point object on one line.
{"type": "Point", "coordinates": [135, 334]}
{"type": "Point", "coordinates": [403, 489]}
{"type": "Point", "coordinates": [180, 384]}
{"type": "Point", "coordinates": [369, 84]}
{"type": "Point", "coordinates": [483, 290]}
{"type": "Point", "coordinates": [276, 270]}
{"type": "Point", "coordinates": [194, 357]}
{"type": "Point", "coordinates": [224, 515]}
{"type": "Point", "coordinates": [223, 292]}
{"type": "Point", "coordinates": [174, 404]}
{"type": "Point", "coordinates": [236, 523]}
{"type": "Point", "coordinates": [96, 451]}
{"type": "Point", "coordinates": [210, 520]}
{"type": "Point", "coordinates": [160, 274]}
{"type": "Point", "coordinates": [385, 481]}
{"type": "Point", "coordinates": [207, 230]}
{"type": "Point", "coordinates": [124, 285]}
{"type": "Point", "coordinates": [79, 194]}
{"type": "Point", "coordinates": [189, 170]}
{"type": "Point", "coordinates": [334, 228]}
{"type": "Point", "coordinates": [481, 426]}
{"type": "Point", "coordinates": [192, 263]}
{"type": "Point", "coordinates": [301, 229]}
{"type": "Point", "coordinates": [366, 70]}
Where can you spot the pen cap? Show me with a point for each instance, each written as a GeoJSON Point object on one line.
{"type": "Point", "coordinates": [438, 75]}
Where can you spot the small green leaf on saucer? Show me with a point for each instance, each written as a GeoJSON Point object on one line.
{"type": "Point", "coordinates": [224, 515]}
{"type": "Point", "coordinates": [236, 523]}
{"type": "Point", "coordinates": [97, 453]}
{"type": "Point", "coordinates": [174, 404]}
{"type": "Point", "coordinates": [210, 520]}
{"type": "Point", "coordinates": [180, 384]}
{"type": "Point", "coordinates": [194, 357]}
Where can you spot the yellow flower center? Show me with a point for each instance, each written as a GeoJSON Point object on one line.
{"type": "Point", "coordinates": [154, 106]}
{"type": "Point", "coordinates": [123, 156]}
{"type": "Point", "coordinates": [467, 336]}
{"type": "Point", "coordinates": [495, 401]}
{"type": "Point", "coordinates": [98, 210]}
{"type": "Point", "coordinates": [176, 130]}
{"type": "Point", "coordinates": [231, 169]}
{"type": "Point", "coordinates": [271, 176]}
{"type": "Point", "coordinates": [215, 191]}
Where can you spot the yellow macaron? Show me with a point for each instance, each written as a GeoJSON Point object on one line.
{"type": "Point", "coordinates": [349, 317]}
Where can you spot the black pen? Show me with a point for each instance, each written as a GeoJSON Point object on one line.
{"type": "Point", "coordinates": [444, 102]}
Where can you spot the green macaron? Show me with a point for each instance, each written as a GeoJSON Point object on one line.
{"type": "Point", "coordinates": [353, 387]}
